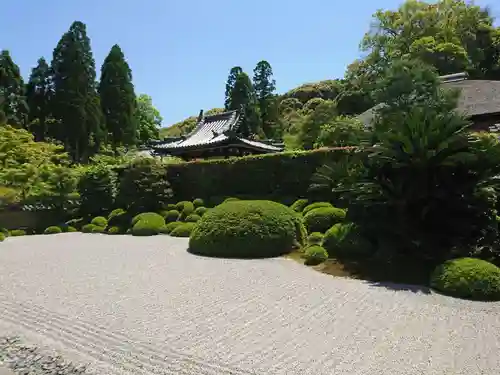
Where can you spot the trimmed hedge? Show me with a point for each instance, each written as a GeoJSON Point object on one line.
{"type": "Point", "coordinates": [315, 238]}
{"type": "Point", "coordinates": [17, 232]}
{"type": "Point", "coordinates": [147, 224]}
{"type": "Point", "coordinates": [299, 205]}
{"type": "Point", "coordinates": [315, 205]}
{"type": "Point", "coordinates": [168, 228]}
{"type": "Point", "coordinates": [52, 230]}
{"type": "Point", "coordinates": [172, 215]}
{"type": "Point", "coordinates": [98, 229]}
{"type": "Point", "coordinates": [87, 228]}
{"type": "Point", "coordinates": [183, 230]}
{"type": "Point", "coordinates": [246, 229]}
{"type": "Point", "coordinates": [2, 237]}
{"type": "Point", "coordinates": [198, 202]}
{"type": "Point", "coordinates": [344, 240]}
{"type": "Point", "coordinates": [99, 221]}
{"type": "Point", "coordinates": [193, 218]}
{"type": "Point", "coordinates": [315, 255]}
{"type": "Point", "coordinates": [70, 229]}
{"type": "Point", "coordinates": [200, 211]}
{"type": "Point", "coordinates": [114, 230]}
{"type": "Point", "coordinates": [187, 210]}
{"type": "Point", "coordinates": [321, 219]}
{"type": "Point", "coordinates": [285, 174]}
{"type": "Point", "coordinates": [467, 278]}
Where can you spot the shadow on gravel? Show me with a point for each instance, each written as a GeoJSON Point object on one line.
{"type": "Point", "coordinates": [402, 287]}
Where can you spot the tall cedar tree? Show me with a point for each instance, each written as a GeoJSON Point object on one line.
{"type": "Point", "coordinates": [118, 99]}
{"type": "Point", "coordinates": [75, 100]}
{"type": "Point", "coordinates": [13, 102]}
{"type": "Point", "coordinates": [231, 80]}
{"type": "Point", "coordinates": [38, 95]}
{"type": "Point", "coordinates": [243, 98]}
{"type": "Point", "coordinates": [265, 86]}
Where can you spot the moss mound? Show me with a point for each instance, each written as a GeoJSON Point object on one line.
{"type": "Point", "coordinates": [315, 238]}
{"type": "Point", "coordinates": [231, 199]}
{"type": "Point", "coordinates": [99, 221]}
{"type": "Point", "coordinates": [468, 278]}
{"type": "Point", "coordinates": [172, 215]}
{"type": "Point", "coordinates": [169, 227]}
{"type": "Point", "coordinates": [193, 218]}
{"type": "Point", "coordinates": [299, 205]}
{"type": "Point", "coordinates": [321, 219]}
{"type": "Point", "coordinates": [17, 232]}
{"type": "Point", "coordinates": [315, 255]}
{"type": "Point", "coordinates": [246, 229]}
{"type": "Point", "coordinates": [147, 224]}
{"type": "Point", "coordinates": [200, 211]}
{"type": "Point", "coordinates": [315, 205]}
{"type": "Point", "coordinates": [198, 202]}
{"type": "Point", "coordinates": [52, 230]}
{"type": "Point", "coordinates": [183, 230]}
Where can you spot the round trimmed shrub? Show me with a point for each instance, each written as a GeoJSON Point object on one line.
{"type": "Point", "coordinates": [99, 221]}
{"type": "Point", "coordinates": [315, 205]}
{"type": "Point", "coordinates": [98, 229]}
{"type": "Point", "coordinates": [344, 240]}
{"type": "Point", "coordinates": [246, 229]}
{"type": "Point", "coordinates": [170, 207]}
{"type": "Point", "coordinates": [469, 278]}
{"type": "Point", "coordinates": [180, 205]}
{"type": "Point", "coordinates": [52, 230]}
{"type": "Point", "coordinates": [87, 228]}
{"type": "Point", "coordinates": [116, 212]}
{"type": "Point", "coordinates": [315, 238]}
{"type": "Point", "coordinates": [148, 216]}
{"type": "Point", "coordinates": [299, 205]}
{"type": "Point", "coordinates": [147, 224]}
{"type": "Point", "coordinates": [187, 210]}
{"type": "Point", "coordinates": [315, 255]}
{"type": "Point", "coordinates": [5, 232]}
{"type": "Point", "coordinates": [114, 230]}
{"type": "Point", "coordinates": [200, 211]}
{"type": "Point", "coordinates": [193, 218]}
{"type": "Point", "coordinates": [198, 202]}
{"type": "Point", "coordinates": [172, 215]}
{"type": "Point", "coordinates": [17, 232]}
{"type": "Point", "coordinates": [71, 229]}
{"type": "Point", "coordinates": [321, 219]}
{"type": "Point", "coordinates": [2, 237]}
{"type": "Point", "coordinates": [183, 230]}
{"type": "Point", "coordinates": [231, 199]}
{"type": "Point", "coordinates": [169, 227]}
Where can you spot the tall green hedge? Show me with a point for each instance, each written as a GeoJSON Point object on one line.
{"type": "Point", "coordinates": [278, 176]}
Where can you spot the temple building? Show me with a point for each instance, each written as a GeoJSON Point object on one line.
{"type": "Point", "coordinates": [214, 136]}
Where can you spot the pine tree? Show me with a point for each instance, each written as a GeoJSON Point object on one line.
{"type": "Point", "coordinates": [243, 98]}
{"type": "Point", "coordinates": [13, 104]}
{"type": "Point", "coordinates": [75, 92]}
{"type": "Point", "coordinates": [118, 99]}
{"type": "Point", "coordinates": [265, 86]}
{"type": "Point", "coordinates": [231, 80]}
{"type": "Point", "coordinates": [38, 95]}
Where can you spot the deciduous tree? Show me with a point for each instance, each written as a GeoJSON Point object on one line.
{"type": "Point", "coordinates": [148, 119]}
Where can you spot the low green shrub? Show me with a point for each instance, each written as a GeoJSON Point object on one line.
{"type": "Point", "coordinates": [344, 240]}
{"type": "Point", "coordinates": [193, 218]}
{"type": "Point", "coordinates": [99, 221]}
{"type": "Point", "coordinates": [200, 211]}
{"type": "Point", "coordinates": [148, 216]}
{"type": "Point", "coordinates": [183, 230]}
{"type": "Point", "coordinates": [119, 218]}
{"type": "Point", "coordinates": [469, 278]}
{"type": "Point", "coordinates": [70, 229]}
{"type": "Point", "coordinates": [315, 205]}
{"type": "Point", "coordinates": [87, 228]}
{"type": "Point", "coordinates": [198, 202]}
{"type": "Point", "coordinates": [315, 255]}
{"type": "Point", "coordinates": [321, 219]}
{"type": "Point", "coordinates": [299, 205]}
{"type": "Point", "coordinates": [246, 229]}
{"type": "Point", "coordinates": [187, 210]}
{"type": "Point", "coordinates": [114, 230]}
{"type": "Point", "coordinates": [98, 229]}
{"type": "Point", "coordinates": [179, 206]}
{"type": "Point", "coordinates": [76, 223]}
{"type": "Point", "coordinates": [169, 227]}
{"type": "Point", "coordinates": [52, 230]}
{"type": "Point", "coordinates": [116, 212]}
{"type": "Point", "coordinates": [172, 215]}
{"type": "Point", "coordinates": [147, 224]}
{"type": "Point", "coordinates": [170, 207]}
{"type": "Point", "coordinates": [5, 232]}
{"type": "Point", "coordinates": [231, 199]}
{"type": "Point", "coordinates": [17, 232]}
{"type": "Point", "coordinates": [315, 238]}
{"type": "Point", "coordinates": [2, 237]}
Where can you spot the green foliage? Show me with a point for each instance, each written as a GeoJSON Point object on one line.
{"type": "Point", "coordinates": [171, 206]}
{"type": "Point", "coordinates": [179, 206]}
{"type": "Point", "coordinates": [97, 188]}
{"type": "Point", "coordinates": [315, 238]}
{"type": "Point", "coordinates": [315, 205]}
{"type": "Point", "coordinates": [5, 232]}
{"type": "Point", "coordinates": [172, 215]}
{"type": "Point", "coordinates": [343, 240]}
{"type": "Point", "coordinates": [231, 81]}
{"type": "Point", "coordinates": [147, 224]}
{"type": "Point", "coordinates": [98, 229]}
{"type": "Point", "coordinates": [77, 223]}
{"type": "Point", "coordinates": [70, 229]}
{"type": "Point", "coordinates": [169, 227]}
{"type": "Point", "coordinates": [193, 218]}
{"type": "Point", "coordinates": [310, 129]}
{"type": "Point", "coordinates": [119, 218]}
{"type": "Point", "coordinates": [52, 230]}
{"type": "Point", "coordinates": [198, 202]}
{"type": "Point", "coordinates": [99, 221]}
{"type": "Point", "coordinates": [38, 97]}
{"type": "Point", "coordinates": [87, 228]}
{"type": "Point", "coordinates": [265, 86]}
{"type": "Point", "coordinates": [118, 99]}
{"type": "Point", "coordinates": [17, 233]}
{"type": "Point", "coordinates": [246, 229]}
{"type": "Point", "coordinates": [339, 132]}
{"type": "Point", "coordinates": [315, 255]}
{"type": "Point", "coordinates": [200, 211]}
{"type": "Point", "coordinates": [148, 119]}
{"type": "Point", "coordinates": [116, 212]}
{"type": "Point", "coordinates": [299, 205]}
{"type": "Point", "coordinates": [143, 186]}
{"type": "Point", "coordinates": [187, 125]}
{"type": "Point", "coordinates": [231, 199]}
{"type": "Point", "coordinates": [467, 278]}
{"type": "Point", "coordinates": [13, 104]}
{"type": "Point", "coordinates": [2, 237]}
{"type": "Point", "coordinates": [243, 98]}
{"type": "Point", "coordinates": [187, 210]}
{"type": "Point", "coordinates": [183, 230]}
{"type": "Point", "coordinates": [322, 218]}
{"type": "Point", "coordinates": [326, 90]}
{"type": "Point", "coordinates": [114, 230]}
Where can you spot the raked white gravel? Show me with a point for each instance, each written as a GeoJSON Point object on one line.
{"type": "Point", "coordinates": [132, 305]}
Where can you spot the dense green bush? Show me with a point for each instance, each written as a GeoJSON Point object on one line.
{"type": "Point", "coordinates": [193, 218]}
{"type": "Point", "coordinates": [99, 221]}
{"type": "Point", "coordinates": [97, 229]}
{"type": "Point", "coordinates": [315, 255]}
{"type": "Point", "coordinates": [321, 219]}
{"type": "Point", "coordinates": [119, 218]}
{"type": "Point", "coordinates": [170, 206]}
{"type": "Point", "coordinates": [147, 224]}
{"type": "Point", "coordinates": [285, 174]}
{"type": "Point", "coordinates": [183, 230]}
{"type": "Point", "coordinates": [344, 240]}
{"type": "Point", "coordinates": [198, 202]}
{"type": "Point", "coordinates": [116, 212]}
{"type": "Point", "coordinates": [172, 215]}
{"type": "Point", "coordinates": [144, 186]}
{"type": "Point", "coordinates": [17, 232]}
{"type": "Point", "coordinates": [114, 230]}
{"type": "Point", "coordinates": [2, 236]}
{"type": "Point", "coordinates": [97, 188]}
{"type": "Point", "coordinates": [87, 228]}
{"type": "Point", "coordinates": [187, 210]}
{"type": "Point", "coordinates": [299, 205]}
{"type": "Point", "coordinates": [52, 230]}
{"type": "Point", "coordinates": [6, 233]}
{"type": "Point", "coordinates": [246, 229]}
{"type": "Point", "coordinates": [200, 211]}
{"type": "Point", "coordinates": [70, 229]}
{"type": "Point", "coordinates": [467, 278]}
{"type": "Point", "coordinates": [315, 205]}
{"type": "Point", "coordinates": [169, 227]}
{"type": "Point", "coordinates": [179, 206]}
{"type": "Point", "coordinates": [315, 238]}
{"type": "Point", "coordinates": [231, 199]}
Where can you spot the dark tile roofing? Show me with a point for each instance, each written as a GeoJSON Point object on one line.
{"type": "Point", "coordinates": [477, 97]}
{"type": "Point", "coordinates": [213, 130]}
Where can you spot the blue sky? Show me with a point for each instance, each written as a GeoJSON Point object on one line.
{"type": "Point", "coordinates": [181, 52]}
